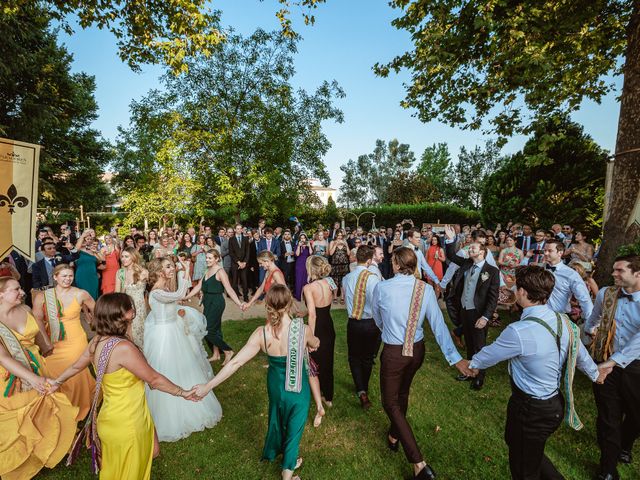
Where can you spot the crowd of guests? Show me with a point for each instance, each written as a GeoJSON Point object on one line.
{"type": "Point", "coordinates": [133, 292]}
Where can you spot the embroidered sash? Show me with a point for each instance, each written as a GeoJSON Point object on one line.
{"type": "Point", "coordinates": [602, 345]}
{"type": "Point", "coordinates": [89, 433]}
{"type": "Point", "coordinates": [53, 312]}
{"type": "Point", "coordinates": [360, 295]}
{"type": "Point", "coordinates": [414, 315]}
{"type": "Point", "coordinates": [568, 370]}
{"type": "Point", "coordinates": [295, 356]}
{"type": "Point", "coordinates": [20, 354]}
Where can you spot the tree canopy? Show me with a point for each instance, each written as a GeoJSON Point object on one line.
{"type": "Point", "coordinates": [42, 102]}
{"type": "Point", "coordinates": [568, 186]}
{"type": "Point", "coordinates": [233, 130]}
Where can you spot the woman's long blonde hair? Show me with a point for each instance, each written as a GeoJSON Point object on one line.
{"type": "Point", "coordinates": [155, 269]}
{"type": "Point", "coordinates": [278, 302]}
{"type": "Point", "coordinates": [317, 268]}
{"type": "Point", "coordinates": [136, 261]}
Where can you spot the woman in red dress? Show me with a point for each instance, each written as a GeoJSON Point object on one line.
{"type": "Point", "coordinates": [111, 254]}
{"type": "Point", "coordinates": [435, 256]}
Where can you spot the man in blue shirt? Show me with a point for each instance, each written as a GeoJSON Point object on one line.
{"type": "Point", "coordinates": [536, 347]}
{"type": "Point", "coordinates": [400, 306]}
{"type": "Point", "coordinates": [614, 325]}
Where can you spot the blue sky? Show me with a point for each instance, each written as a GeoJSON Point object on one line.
{"type": "Point", "coordinates": [349, 37]}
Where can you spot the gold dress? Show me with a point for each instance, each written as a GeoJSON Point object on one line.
{"type": "Point", "coordinates": [35, 430]}
{"type": "Point", "coordinates": [79, 388]}
{"type": "Point", "coordinates": [125, 428]}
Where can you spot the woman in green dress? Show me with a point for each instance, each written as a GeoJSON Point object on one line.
{"type": "Point", "coordinates": [214, 283]}
{"type": "Point", "coordinates": [88, 263]}
{"type": "Point", "coordinates": [285, 341]}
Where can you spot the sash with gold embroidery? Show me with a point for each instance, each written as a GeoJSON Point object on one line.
{"type": "Point", "coordinates": [602, 346]}
{"type": "Point", "coordinates": [360, 295]}
{"type": "Point", "coordinates": [20, 354]}
{"type": "Point", "coordinates": [414, 316]}
{"type": "Point", "coordinates": [295, 356]}
{"type": "Point", "coordinates": [53, 313]}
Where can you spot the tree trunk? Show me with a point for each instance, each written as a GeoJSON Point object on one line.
{"type": "Point", "coordinates": [619, 227]}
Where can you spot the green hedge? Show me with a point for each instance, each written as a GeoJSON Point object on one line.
{"type": "Point", "coordinates": [390, 215]}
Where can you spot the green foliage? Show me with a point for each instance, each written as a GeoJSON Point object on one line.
{"type": "Point", "coordinates": [435, 167]}
{"type": "Point", "coordinates": [231, 134]}
{"type": "Point", "coordinates": [366, 181]}
{"type": "Point", "coordinates": [567, 187]}
{"type": "Point", "coordinates": [42, 102]}
{"type": "Point", "coordinates": [410, 187]}
{"type": "Point", "coordinates": [470, 174]}
{"type": "Point", "coordinates": [390, 215]}
{"type": "Point", "coordinates": [631, 249]}
{"type": "Point", "coordinates": [484, 59]}
{"type": "Point", "coordinates": [154, 32]}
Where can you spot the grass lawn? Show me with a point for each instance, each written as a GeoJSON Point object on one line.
{"type": "Point", "coordinates": [459, 430]}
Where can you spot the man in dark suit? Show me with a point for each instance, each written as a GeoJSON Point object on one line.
{"type": "Point", "coordinates": [288, 257]}
{"type": "Point", "coordinates": [474, 296]}
{"type": "Point", "coordinates": [239, 253]}
{"type": "Point", "coordinates": [42, 270]}
{"type": "Point", "coordinates": [526, 240]}
{"type": "Point", "coordinates": [268, 243]}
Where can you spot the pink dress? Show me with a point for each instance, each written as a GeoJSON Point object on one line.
{"type": "Point", "coordinates": [108, 284]}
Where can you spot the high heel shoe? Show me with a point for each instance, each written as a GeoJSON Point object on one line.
{"type": "Point", "coordinates": [393, 446]}
{"type": "Point", "coordinates": [426, 473]}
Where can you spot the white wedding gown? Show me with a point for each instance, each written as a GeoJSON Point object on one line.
{"type": "Point", "coordinates": [173, 347]}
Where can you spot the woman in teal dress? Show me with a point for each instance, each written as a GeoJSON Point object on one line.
{"type": "Point", "coordinates": [214, 283]}
{"type": "Point", "coordinates": [87, 264]}
{"type": "Point", "coordinates": [285, 341]}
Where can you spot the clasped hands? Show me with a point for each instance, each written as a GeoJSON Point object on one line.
{"type": "Point", "coordinates": [464, 368]}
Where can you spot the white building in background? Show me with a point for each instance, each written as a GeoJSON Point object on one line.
{"type": "Point", "coordinates": [323, 193]}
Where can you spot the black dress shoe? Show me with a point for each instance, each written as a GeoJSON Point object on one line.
{"type": "Point", "coordinates": [426, 473]}
{"type": "Point", "coordinates": [608, 476]}
{"type": "Point", "coordinates": [393, 446]}
{"type": "Point", "coordinates": [625, 457]}
{"type": "Point", "coordinates": [477, 384]}
{"type": "Point", "coordinates": [365, 403]}
{"type": "Point", "coordinates": [463, 378]}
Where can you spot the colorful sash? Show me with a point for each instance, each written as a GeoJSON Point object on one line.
{"type": "Point", "coordinates": [567, 371]}
{"type": "Point", "coordinates": [414, 315]}
{"type": "Point", "coordinates": [19, 354]}
{"type": "Point", "coordinates": [360, 295]}
{"type": "Point", "coordinates": [53, 312]}
{"type": "Point", "coordinates": [602, 345]}
{"type": "Point", "coordinates": [295, 356]}
{"type": "Point", "coordinates": [89, 433]}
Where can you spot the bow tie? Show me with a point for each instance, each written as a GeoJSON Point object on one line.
{"type": "Point", "coordinates": [549, 267]}
{"type": "Point", "coordinates": [628, 296]}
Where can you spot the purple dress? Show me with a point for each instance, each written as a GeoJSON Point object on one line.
{"type": "Point", "coordinates": [301, 272]}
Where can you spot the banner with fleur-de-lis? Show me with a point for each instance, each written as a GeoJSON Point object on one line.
{"type": "Point", "coordinates": [19, 163]}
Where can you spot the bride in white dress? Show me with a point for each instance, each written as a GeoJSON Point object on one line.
{"type": "Point", "coordinates": [173, 346]}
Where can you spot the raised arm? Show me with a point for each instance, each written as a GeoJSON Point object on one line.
{"type": "Point", "coordinates": [250, 350]}
{"type": "Point", "coordinates": [169, 297]}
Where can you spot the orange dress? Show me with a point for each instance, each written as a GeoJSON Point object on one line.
{"type": "Point", "coordinates": [35, 430]}
{"type": "Point", "coordinates": [80, 387]}
{"type": "Point", "coordinates": [435, 263]}
{"type": "Point", "coordinates": [108, 275]}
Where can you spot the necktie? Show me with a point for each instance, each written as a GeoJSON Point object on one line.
{"type": "Point", "coordinates": [473, 270]}
{"type": "Point", "coordinates": [52, 261]}
{"type": "Point", "coordinates": [239, 238]}
{"type": "Point", "coordinates": [268, 244]}
{"type": "Point", "coordinates": [628, 296]}
{"type": "Point", "coordinates": [551, 268]}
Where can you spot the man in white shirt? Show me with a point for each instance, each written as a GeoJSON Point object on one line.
{"type": "Point", "coordinates": [568, 282]}
{"type": "Point", "coordinates": [363, 336]}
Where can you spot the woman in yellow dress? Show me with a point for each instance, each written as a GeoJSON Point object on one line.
{"type": "Point", "coordinates": [60, 307]}
{"type": "Point", "coordinates": [36, 429]}
{"type": "Point", "coordinates": [125, 431]}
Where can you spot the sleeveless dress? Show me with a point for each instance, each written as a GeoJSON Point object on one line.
{"type": "Point", "coordinates": [125, 428]}
{"type": "Point", "coordinates": [173, 347]}
{"type": "Point", "coordinates": [301, 272]}
{"type": "Point", "coordinates": [36, 430]}
{"type": "Point", "coordinates": [435, 264]}
{"type": "Point", "coordinates": [136, 292]}
{"type": "Point", "coordinates": [288, 413]}
{"type": "Point", "coordinates": [108, 284]}
{"type": "Point", "coordinates": [269, 281]}
{"type": "Point", "coordinates": [80, 387]}
{"type": "Point", "coordinates": [214, 305]}
{"type": "Point", "coordinates": [86, 276]}
{"type": "Point", "coordinates": [339, 264]}
{"type": "Point", "coordinates": [323, 356]}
